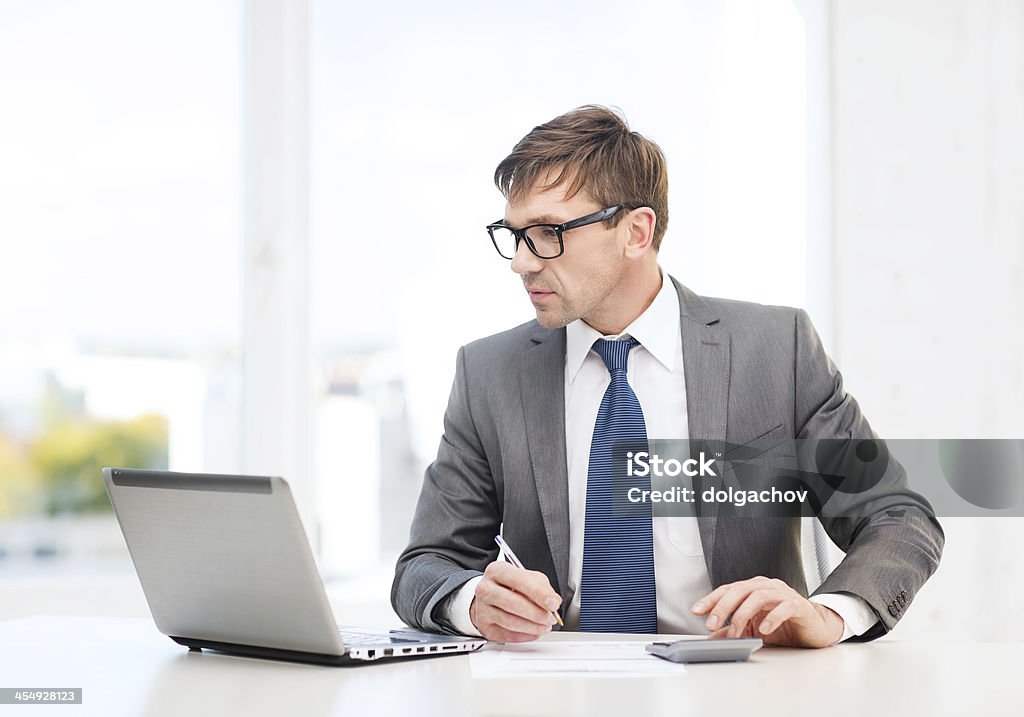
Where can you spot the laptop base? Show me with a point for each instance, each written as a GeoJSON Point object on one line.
{"type": "Point", "coordinates": [274, 653]}
{"type": "Point", "coordinates": [266, 653]}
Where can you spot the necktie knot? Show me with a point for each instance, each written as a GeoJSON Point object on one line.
{"type": "Point", "coordinates": [615, 354]}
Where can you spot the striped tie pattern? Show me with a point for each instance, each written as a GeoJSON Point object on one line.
{"type": "Point", "coordinates": [617, 591]}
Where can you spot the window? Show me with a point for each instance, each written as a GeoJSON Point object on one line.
{"type": "Point", "coordinates": [119, 288]}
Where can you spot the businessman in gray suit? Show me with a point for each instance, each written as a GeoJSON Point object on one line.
{"type": "Point", "coordinates": [621, 349]}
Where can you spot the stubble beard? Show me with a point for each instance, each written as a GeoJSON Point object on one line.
{"type": "Point", "coordinates": [596, 292]}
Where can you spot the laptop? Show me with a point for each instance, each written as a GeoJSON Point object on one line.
{"type": "Point", "coordinates": [225, 565]}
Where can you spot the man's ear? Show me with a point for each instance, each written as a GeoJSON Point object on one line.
{"type": "Point", "coordinates": [640, 224]}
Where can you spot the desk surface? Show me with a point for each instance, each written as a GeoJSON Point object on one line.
{"type": "Point", "coordinates": [126, 667]}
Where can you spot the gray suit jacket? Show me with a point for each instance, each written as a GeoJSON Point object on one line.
{"type": "Point", "coordinates": [751, 372]}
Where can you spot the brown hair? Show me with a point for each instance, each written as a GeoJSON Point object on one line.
{"type": "Point", "coordinates": [594, 151]}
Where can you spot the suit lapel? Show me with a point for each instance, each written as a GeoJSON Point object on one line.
{"type": "Point", "coordinates": [542, 386]}
{"type": "Point", "coordinates": [706, 371]}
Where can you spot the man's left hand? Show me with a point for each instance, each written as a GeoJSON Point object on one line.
{"type": "Point", "coordinates": [768, 608]}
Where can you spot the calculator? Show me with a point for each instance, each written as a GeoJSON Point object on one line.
{"type": "Point", "coordinates": [726, 649]}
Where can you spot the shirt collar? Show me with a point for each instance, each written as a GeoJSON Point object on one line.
{"type": "Point", "coordinates": [657, 330]}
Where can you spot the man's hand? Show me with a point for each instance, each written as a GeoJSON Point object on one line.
{"type": "Point", "coordinates": [769, 609]}
{"type": "Point", "coordinates": [513, 605]}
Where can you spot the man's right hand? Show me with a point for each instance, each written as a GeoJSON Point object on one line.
{"type": "Point", "coordinates": [513, 605]}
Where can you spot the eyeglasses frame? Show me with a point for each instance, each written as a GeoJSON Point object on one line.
{"type": "Point", "coordinates": [520, 234]}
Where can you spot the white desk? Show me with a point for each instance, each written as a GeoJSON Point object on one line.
{"type": "Point", "coordinates": [126, 667]}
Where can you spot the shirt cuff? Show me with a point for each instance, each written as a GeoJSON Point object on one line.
{"type": "Point", "coordinates": [857, 616]}
{"type": "Point", "coordinates": [457, 608]}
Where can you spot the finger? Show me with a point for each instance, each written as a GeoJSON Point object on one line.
{"type": "Point", "coordinates": [708, 601]}
{"type": "Point", "coordinates": [500, 634]}
{"type": "Point", "coordinates": [725, 632]}
{"type": "Point", "coordinates": [531, 583]}
{"type": "Point", "coordinates": [719, 634]}
{"type": "Point", "coordinates": [731, 599]}
{"type": "Point", "coordinates": [764, 599]}
{"type": "Point", "coordinates": [782, 613]}
{"type": "Point", "coordinates": [490, 614]}
{"type": "Point", "coordinates": [490, 593]}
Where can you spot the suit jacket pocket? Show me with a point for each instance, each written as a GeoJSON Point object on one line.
{"type": "Point", "coordinates": [756, 446]}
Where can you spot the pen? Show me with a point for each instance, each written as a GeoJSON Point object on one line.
{"type": "Point", "coordinates": [506, 551]}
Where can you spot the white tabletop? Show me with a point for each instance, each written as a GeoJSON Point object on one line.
{"type": "Point", "coordinates": [126, 667]}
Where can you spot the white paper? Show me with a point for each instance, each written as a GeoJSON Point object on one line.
{"type": "Point", "coordinates": [604, 659]}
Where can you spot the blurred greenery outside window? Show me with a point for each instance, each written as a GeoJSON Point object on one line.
{"type": "Point", "coordinates": [59, 470]}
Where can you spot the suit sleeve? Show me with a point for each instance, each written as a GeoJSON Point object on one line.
{"type": "Point", "coordinates": [889, 533]}
{"type": "Point", "coordinates": [452, 535]}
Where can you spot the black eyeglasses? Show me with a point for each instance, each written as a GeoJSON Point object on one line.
{"type": "Point", "coordinates": [544, 240]}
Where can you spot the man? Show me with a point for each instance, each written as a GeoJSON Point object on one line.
{"type": "Point", "coordinates": [620, 350]}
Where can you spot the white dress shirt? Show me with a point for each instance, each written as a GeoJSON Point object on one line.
{"type": "Point", "coordinates": [655, 372]}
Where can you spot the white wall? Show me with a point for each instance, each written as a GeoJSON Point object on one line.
{"type": "Point", "coordinates": [928, 257]}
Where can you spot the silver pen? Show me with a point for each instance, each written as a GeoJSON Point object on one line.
{"type": "Point", "coordinates": [505, 551]}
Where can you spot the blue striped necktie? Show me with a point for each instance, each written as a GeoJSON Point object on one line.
{"type": "Point", "coordinates": [617, 591]}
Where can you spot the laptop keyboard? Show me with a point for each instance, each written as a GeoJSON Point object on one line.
{"type": "Point", "coordinates": [368, 638]}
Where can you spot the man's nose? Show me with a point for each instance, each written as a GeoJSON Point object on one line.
{"type": "Point", "coordinates": [525, 261]}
